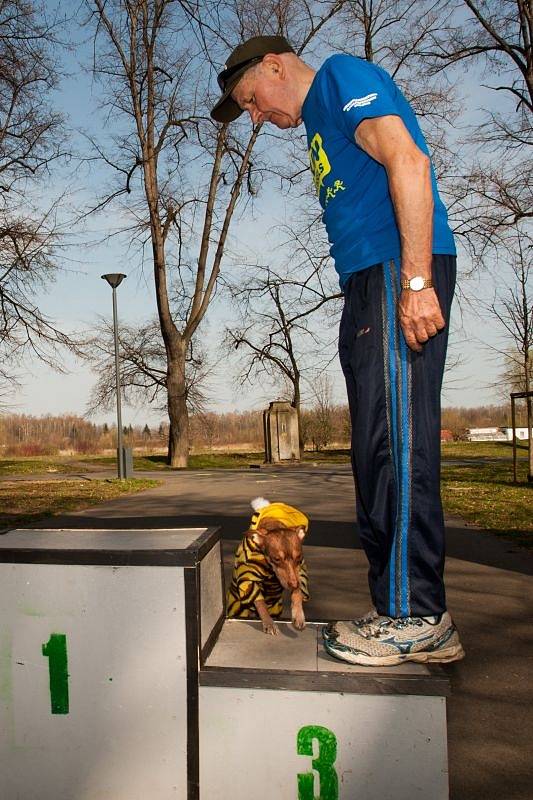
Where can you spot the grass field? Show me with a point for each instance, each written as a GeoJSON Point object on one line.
{"type": "Point", "coordinates": [26, 502]}
{"type": "Point", "coordinates": [482, 450]}
{"type": "Point", "coordinates": [485, 495]}
{"type": "Point", "coordinates": [39, 464]}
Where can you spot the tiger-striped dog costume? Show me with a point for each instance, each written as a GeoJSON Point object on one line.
{"type": "Point", "coordinates": [253, 577]}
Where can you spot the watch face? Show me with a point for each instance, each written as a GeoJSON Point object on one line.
{"type": "Point", "coordinates": [416, 283]}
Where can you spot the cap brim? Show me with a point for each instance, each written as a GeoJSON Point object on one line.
{"type": "Point", "coordinates": [226, 110]}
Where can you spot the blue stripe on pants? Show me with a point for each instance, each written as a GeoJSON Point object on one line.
{"type": "Point", "coordinates": [397, 363]}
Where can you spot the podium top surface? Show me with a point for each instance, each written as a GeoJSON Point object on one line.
{"type": "Point", "coordinates": [245, 657]}
{"type": "Point", "coordinates": [126, 547]}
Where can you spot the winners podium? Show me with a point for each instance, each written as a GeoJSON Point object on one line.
{"type": "Point", "coordinates": [120, 679]}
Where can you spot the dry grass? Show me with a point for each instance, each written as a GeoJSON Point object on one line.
{"type": "Point", "coordinates": [484, 494]}
{"type": "Point", "coordinates": [496, 450]}
{"type": "Point", "coordinates": [26, 502]}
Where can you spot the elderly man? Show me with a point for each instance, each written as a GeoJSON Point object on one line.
{"type": "Point", "coordinates": [395, 256]}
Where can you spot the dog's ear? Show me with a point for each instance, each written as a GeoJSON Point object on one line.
{"type": "Point", "coordinates": [257, 536]}
{"type": "Point", "coordinates": [301, 533]}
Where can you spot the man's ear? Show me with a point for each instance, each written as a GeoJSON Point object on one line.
{"type": "Point", "coordinates": [301, 533]}
{"type": "Point", "coordinates": [273, 64]}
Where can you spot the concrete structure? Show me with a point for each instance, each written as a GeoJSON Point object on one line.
{"type": "Point", "coordinates": [120, 678]}
{"type": "Point", "coordinates": [280, 427]}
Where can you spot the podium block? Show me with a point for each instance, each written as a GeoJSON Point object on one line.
{"type": "Point", "coordinates": [100, 634]}
{"type": "Point", "coordinates": [280, 718]}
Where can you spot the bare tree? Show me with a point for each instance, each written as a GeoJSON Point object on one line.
{"type": "Point", "coordinates": [498, 36]}
{"type": "Point", "coordinates": [143, 372]}
{"type": "Point", "coordinates": [180, 174]}
{"type": "Point", "coordinates": [492, 190]}
{"type": "Point", "coordinates": [513, 308]}
{"type": "Point", "coordinates": [280, 335]}
{"type": "Point", "coordinates": [31, 140]}
{"type": "Point", "coordinates": [145, 64]}
{"type": "Point", "coordinates": [318, 421]}
{"type": "Point", "coordinates": [489, 199]}
{"type": "Point", "coordinates": [517, 374]}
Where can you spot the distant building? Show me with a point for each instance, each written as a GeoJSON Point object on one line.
{"type": "Point", "coordinates": [446, 436]}
{"type": "Point", "coordinates": [495, 434]}
{"type": "Point", "coordinates": [486, 435]}
{"type": "Point", "coordinates": [521, 433]}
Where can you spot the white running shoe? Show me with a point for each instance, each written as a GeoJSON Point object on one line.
{"type": "Point", "coordinates": [333, 629]}
{"type": "Point", "coordinates": [386, 641]}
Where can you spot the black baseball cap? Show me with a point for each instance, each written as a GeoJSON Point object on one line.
{"type": "Point", "coordinates": [242, 58]}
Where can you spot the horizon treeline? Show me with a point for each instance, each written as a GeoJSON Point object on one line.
{"type": "Point", "coordinates": [27, 435]}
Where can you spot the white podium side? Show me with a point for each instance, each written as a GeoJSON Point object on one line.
{"type": "Point", "coordinates": [100, 633]}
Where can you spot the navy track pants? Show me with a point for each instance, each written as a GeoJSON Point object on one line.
{"type": "Point", "coordinates": [394, 399]}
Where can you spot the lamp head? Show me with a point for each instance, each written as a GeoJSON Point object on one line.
{"type": "Point", "coordinates": [114, 279]}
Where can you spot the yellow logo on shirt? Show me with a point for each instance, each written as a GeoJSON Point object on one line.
{"type": "Point", "coordinates": [331, 191]}
{"type": "Point", "coordinates": [320, 166]}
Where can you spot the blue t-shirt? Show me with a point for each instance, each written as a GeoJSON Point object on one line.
{"type": "Point", "coordinates": [352, 187]}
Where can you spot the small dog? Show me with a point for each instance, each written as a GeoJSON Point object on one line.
{"type": "Point", "coordinates": [267, 561]}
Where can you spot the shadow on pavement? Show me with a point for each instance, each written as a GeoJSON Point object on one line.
{"type": "Point", "coordinates": [467, 544]}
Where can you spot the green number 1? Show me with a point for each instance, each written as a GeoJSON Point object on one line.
{"type": "Point", "coordinates": [323, 764]}
{"type": "Point", "coordinates": [55, 650]}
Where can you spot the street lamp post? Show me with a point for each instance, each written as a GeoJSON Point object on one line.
{"type": "Point", "coordinates": [114, 279]}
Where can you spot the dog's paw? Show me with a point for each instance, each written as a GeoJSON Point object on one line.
{"type": "Point", "coordinates": [298, 621]}
{"type": "Point", "coordinates": [270, 628]}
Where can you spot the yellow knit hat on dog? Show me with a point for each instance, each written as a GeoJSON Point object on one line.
{"type": "Point", "coordinates": [287, 515]}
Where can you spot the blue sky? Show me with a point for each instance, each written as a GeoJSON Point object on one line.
{"type": "Point", "coordinates": [79, 294]}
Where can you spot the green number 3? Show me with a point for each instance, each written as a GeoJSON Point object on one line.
{"type": "Point", "coordinates": [327, 754]}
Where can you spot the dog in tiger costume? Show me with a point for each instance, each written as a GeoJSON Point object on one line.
{"type": "Point", "coordinates": [268, 560]}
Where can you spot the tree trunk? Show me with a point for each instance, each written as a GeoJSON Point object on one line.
{"type": "Point", "coordinates": [529, 417]}
{"type": "Point", "coordinates": [175, 345]}
{"type": "Point", "coordinates": [296, 403]}
{"type": "Point", "coordinates": [178, 437]}
{"type": "Point", "coordinates": [530, 438]}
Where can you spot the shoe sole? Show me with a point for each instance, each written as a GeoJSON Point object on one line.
{"type": "Point", "coordinates": [444, 656]}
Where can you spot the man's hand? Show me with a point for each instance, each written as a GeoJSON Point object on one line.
{"type": "Point", "coordinates": [420, 316]}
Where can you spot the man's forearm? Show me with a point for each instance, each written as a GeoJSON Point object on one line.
{"type": "Point", "coordinates": [410, 187]}
{"type": "Point", "coordinates": [387, 140]}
